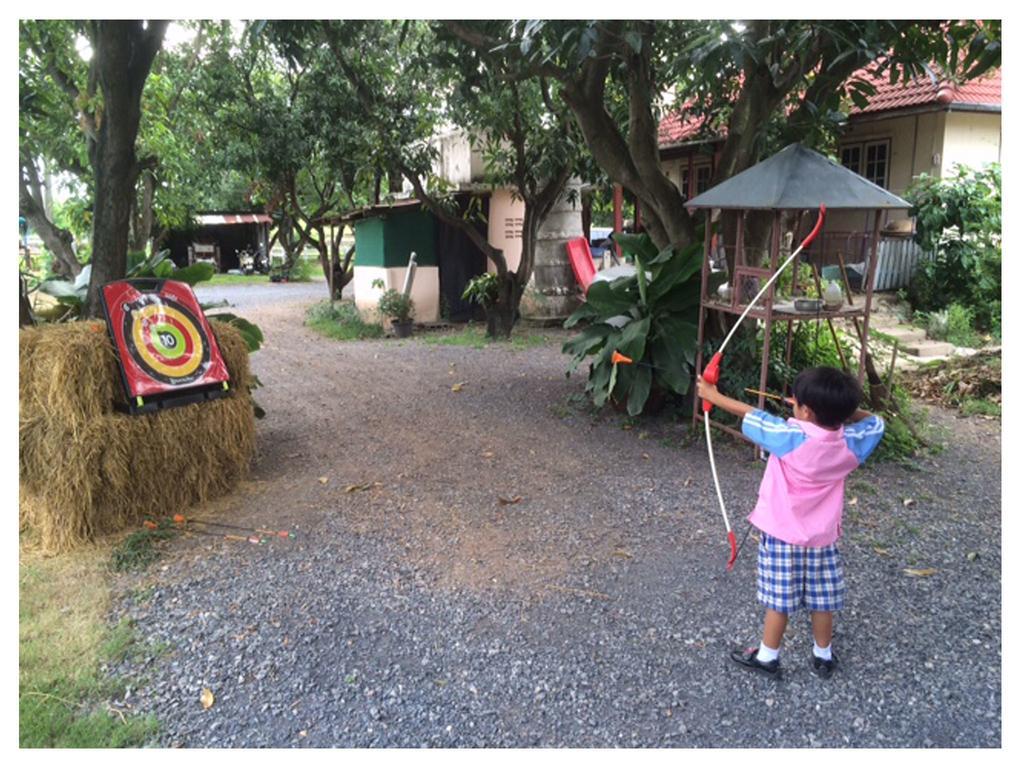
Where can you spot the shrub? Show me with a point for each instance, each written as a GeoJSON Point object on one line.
{"type": "Point", "coordinates": [961, 220]}
{"type": "Point", "coordinates": [650, 316]}
{"type": "Point", "coordinates": [341, 321]}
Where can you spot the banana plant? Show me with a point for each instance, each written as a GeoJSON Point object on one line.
{"type": "Point", "coordinates": [649, 316]}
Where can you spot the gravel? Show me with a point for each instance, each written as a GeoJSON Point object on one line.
{"type": "Point", "coordinates": [414, 608]}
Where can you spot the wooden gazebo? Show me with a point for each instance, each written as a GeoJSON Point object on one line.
{"type": "Point", "coordinates": [795, 181]}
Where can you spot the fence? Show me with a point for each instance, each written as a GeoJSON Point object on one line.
{"type": "Point", "coordinates": [898, 257]}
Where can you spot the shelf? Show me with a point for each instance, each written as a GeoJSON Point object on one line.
{"type": "Point", "coordinates": [781, 314]}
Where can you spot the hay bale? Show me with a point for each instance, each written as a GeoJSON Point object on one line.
{"type": "Point", "coordinates": [87, 469]}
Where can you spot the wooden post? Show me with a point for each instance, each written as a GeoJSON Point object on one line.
{"type": "Point", "coordinates": [617, 208]}
{"type": "Point", "coordinates": [870, 277]}
{"type": "Point", "coordinates": [705, 269]}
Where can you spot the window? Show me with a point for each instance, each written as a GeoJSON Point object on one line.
{"type": "Point", "coordinates": [869, 159]}
{"type": "Point", "coordinates": [703, 183]}
{"type": "Point", "coordinates": [703, 178]}
{"type": "Point", "coordinates": [684, 182]}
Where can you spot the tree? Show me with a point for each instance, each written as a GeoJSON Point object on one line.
{"type": "Point", "coordinates": [123, 55]}
{"type": "Point", "coordinates": [410, 79]}
{"type": "Point", "coordinates": [281, 109]}
{"type": "Point", "coordinates": [51, 79]}
{"type": "Point", "coordinates": [613, 76]}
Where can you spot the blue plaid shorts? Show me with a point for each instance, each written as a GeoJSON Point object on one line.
{"type": "Point", "coordinates": [790, 577]}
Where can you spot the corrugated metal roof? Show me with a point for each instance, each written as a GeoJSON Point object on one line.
{"type": "Point", "coordinates": [797, 178]}
{"type": "Point", "coordinates": [220, 219]}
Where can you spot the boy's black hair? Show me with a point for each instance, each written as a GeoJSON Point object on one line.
{"type": "Point", "coordinates": [832, 394]}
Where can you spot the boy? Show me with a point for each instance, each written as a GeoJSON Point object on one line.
{"type": "Point", "coordinates": [800, 505]}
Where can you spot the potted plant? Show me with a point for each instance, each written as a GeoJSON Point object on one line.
{"type": "Point", "coordinates": [398, 308]}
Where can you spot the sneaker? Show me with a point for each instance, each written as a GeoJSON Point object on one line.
{"type": "Point", "coordinates": [748, 658]}
{"type": "Point", "coordinates": [824, 669]}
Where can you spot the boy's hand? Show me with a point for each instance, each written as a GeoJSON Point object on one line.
{"type": "Point", "coordinates": [706, 391]}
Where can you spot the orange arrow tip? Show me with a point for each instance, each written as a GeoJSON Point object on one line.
{"type": "Point", "coordinates": [618, 357]}
{"type": "Point", "coordinates": [179, 518]}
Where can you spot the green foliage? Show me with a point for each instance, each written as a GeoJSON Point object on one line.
{"type": "Point", "coordinates": [395, 306]}
{"type": "Point", "coordinates": [650, 316]}
{"type": "Point", "coordinates": [341, 321]}
{"type": "Point", "coordinates": [961, 220]}
{"type": "Point", "coordinates": [812, 346]}
{"type": "Point", "coordinates": [138, 549]}
{"type": "Point", "coordinates": [483, 289]}
{"type": "Point", "coordinates": [250, 331]}
{"type": "Point", "coordinates": [305, 270]}
{"type": "Point", "coordinates": [954, 324]}
{"type": "Point", "coordinates": [978, 407]}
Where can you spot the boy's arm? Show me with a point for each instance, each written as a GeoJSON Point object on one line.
{"type": "Point", "coordinates": [710, 393]}
{"type": "Point", "coordinates": [859, 415]}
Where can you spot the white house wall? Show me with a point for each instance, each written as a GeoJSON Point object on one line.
{"type": "Point", "coordinates": [915, 147]}
{"type": "Point", "coordinates": [971, 138]}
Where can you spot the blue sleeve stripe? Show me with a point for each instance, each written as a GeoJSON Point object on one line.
{"type": "Point", "coordinates": [864, 437]}
{"type": "Point", "coordinates": [871, 426]}
{"type": "Point", "coordinates": [773, 426]}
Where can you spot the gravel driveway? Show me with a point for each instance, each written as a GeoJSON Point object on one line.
{"type": "Point", "coordinates": [414, 608]}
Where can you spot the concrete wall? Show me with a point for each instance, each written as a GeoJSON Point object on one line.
{"type": "Point", "coordinates": [971, 138]}
{"type": "Point", "coordinates": [505, 226]}
{"type": "Point", "coordinates": [458, 161]}
{"type": "Point", "coordinates": [425, 291]}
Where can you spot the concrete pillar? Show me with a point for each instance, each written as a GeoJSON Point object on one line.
{"type": "Point", "coordinates": [552, 293]}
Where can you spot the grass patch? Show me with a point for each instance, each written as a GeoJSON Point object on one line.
{"type": "Point", "coordinates": [977, 407]}
{"type": "Point", "coordinates": [474, 336]}
{"type": "Point", "coordinates": [63, 641]}
{"type": "Point", "coordinates": [138, 549]}
{"type": "Point", "coordinates": [225, 279]}
{"type": "Point", "coordinates": [342, 322]}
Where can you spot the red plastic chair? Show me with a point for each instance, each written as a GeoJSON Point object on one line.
{"type": "Point", "coordinates": [582, 261]}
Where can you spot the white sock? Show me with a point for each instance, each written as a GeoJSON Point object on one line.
{"type": "Point", "coordinates": [825, 654]}
{"type": "Point", "coordinates": [766, 654]}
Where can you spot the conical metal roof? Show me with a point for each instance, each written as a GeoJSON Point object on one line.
{"type": "Point", "coordinates": [797, 178]}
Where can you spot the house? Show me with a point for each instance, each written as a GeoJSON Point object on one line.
{"type": "Point", "coordinates": [904, 130]}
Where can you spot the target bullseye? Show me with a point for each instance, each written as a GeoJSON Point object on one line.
{"type": "Point", "coordinates": [166, 340]}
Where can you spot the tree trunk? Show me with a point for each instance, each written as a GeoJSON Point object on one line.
{"type": "Point", "coordinates": [59, 242]}
{"type": "Point", "coordinates": [142, 225]}
{"type": "Point", "coordinates": [123, 55]}
{"type": "Point", "coordinates": [502, 315]}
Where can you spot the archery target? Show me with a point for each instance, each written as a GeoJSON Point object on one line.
{"type": "Point", "coordinates": [164, 343]}
{"type": "Point", "coordinates": [166, 340]}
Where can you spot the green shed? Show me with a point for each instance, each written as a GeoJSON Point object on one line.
{"type": "Point", "coordinates": [386, 241]}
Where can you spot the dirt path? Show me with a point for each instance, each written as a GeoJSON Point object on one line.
{"type": "Point", "coordinates": [416, 608]}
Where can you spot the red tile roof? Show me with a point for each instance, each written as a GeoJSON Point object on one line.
{"type": "Point", "coordinates": [677, 127]}
{"type": "Point", "coordinates": [985, 91]}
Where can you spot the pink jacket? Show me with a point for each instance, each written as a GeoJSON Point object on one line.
{"type": "Point", "coordinates": [801, 496]}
